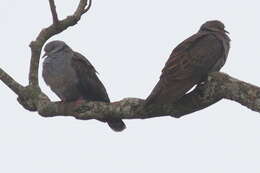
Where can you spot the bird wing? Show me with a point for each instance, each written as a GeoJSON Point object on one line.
{"type": "Point", "coordinates": [187, 65]}
{"type": "Point", "coordinates": [89, 84]}
{"type": "Point", "coordinates": [92, 88]}
{"type": "Point", "coordinates": [194, 56]}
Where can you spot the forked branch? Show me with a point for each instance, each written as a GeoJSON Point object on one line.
{"type": "Point", "coordinates": [218, 86]}
{"type": "Point", "coordinates": [46, 33]}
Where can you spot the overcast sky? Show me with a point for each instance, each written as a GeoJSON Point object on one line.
{"type": "Point", "coordinates": [128, 42]}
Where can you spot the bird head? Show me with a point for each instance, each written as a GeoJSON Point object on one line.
{"type": "Point", "coordinates": [213, 26]}
{"type": "Point", "coordinates": [54, 47]}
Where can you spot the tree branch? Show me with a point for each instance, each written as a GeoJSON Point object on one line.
{"type": "Point", "coordinates": [88, 7]}
{"type": "Point", "coordinates": [218, 86]}
{"type": "Point", "coordinates": [54, 12]}
{"type": "Point", "coordinates": [10, 82]}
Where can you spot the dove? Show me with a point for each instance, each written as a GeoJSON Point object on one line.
{"type": "Point", "coordinates": [190, 63]}
{"type": "Point", "coordinates": [72, 77]}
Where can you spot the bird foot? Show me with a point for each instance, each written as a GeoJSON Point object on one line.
{"type": "Point", "coordinates": [79, 102]}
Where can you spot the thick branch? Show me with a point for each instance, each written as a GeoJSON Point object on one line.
{"type": "Point", "coordinates": [46, 33]}
{"type": "Point", "coordinates": [218, 86]}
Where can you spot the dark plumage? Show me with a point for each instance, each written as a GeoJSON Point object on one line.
{"type": "Point", "coordinates": [190, 62]}
{"type": "Point", "coordinates": [72, 77]}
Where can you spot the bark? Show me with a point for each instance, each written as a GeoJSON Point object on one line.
{"type": "Point", "coordinates": [218, 86]}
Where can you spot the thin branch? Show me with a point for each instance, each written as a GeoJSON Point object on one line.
{"type": "Point", "coordinates": [88, 7]}
{"type": "Point", "coordinates": [10, 82]}
{"type": "Point", "coordinates": [54, 12]}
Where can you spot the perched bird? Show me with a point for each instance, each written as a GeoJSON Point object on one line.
{"type": "Point", "coordinates": [72, 77]}
{"type": "Point", "coordinates": [190, 62]}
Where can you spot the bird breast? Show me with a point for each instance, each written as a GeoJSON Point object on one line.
{"type": "Point", "coordinates": [58, 73]}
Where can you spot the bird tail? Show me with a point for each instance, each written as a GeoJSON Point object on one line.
{"type": "Point", "coordinates": [116, 124]}
{"type": "Point", "coordinates": [170, 94]}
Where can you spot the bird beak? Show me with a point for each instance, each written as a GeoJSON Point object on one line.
{"type": "Point", "coordinates": [226, 31]}
{"type": "Point", "coordinates": [44, 55]}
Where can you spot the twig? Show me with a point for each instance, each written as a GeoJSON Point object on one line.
{"type": "Point", "coordinates": [54, 12]}
{"type": "Point", "coordinates": [88, 7]}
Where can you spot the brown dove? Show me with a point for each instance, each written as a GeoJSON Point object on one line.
{"type": "Point", "coordinates": [190, 63]}
{"type": "Point", "coordinates": [72, 77]}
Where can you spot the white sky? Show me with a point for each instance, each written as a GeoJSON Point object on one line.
{"type": "Point", "coordinates": [128, 42]}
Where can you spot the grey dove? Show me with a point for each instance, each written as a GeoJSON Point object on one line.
{"type": "Point", "coordinates": [190, 63]}
{"type": "Point", "coordinates": [72, 77]}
